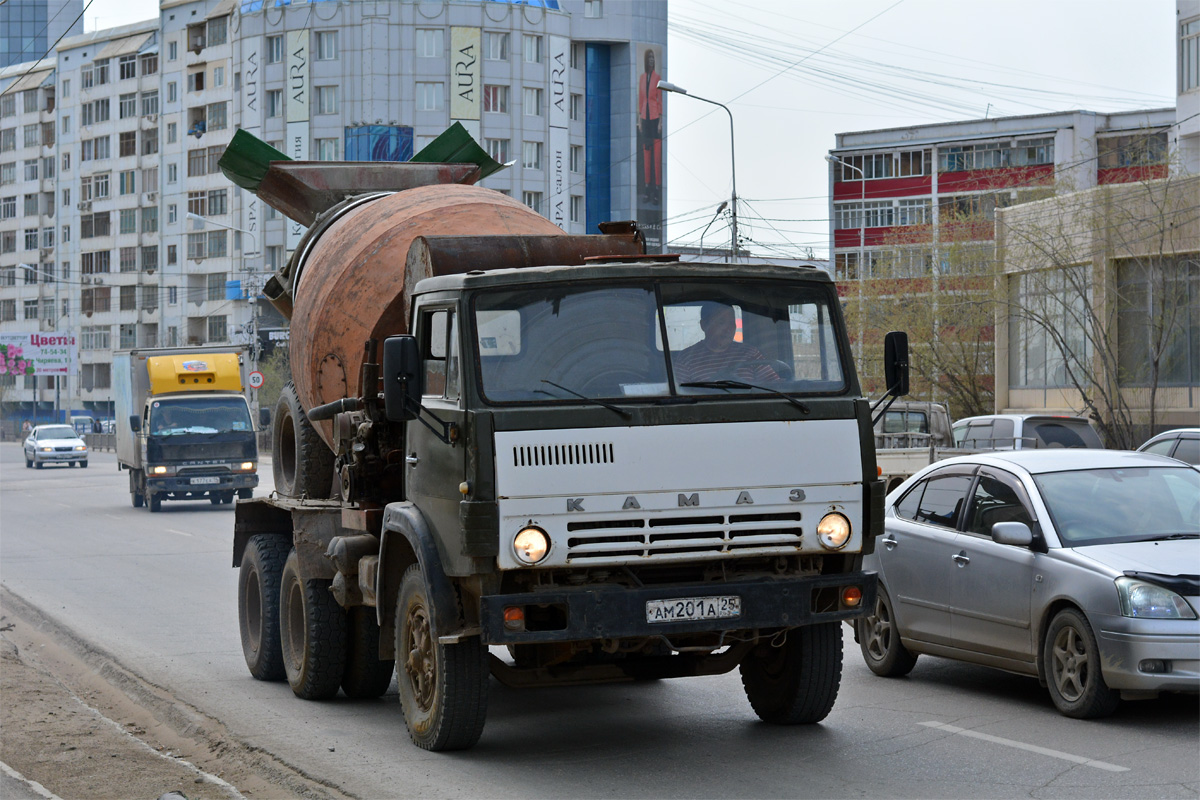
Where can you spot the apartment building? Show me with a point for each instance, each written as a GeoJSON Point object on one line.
{"type": "Point", "coordinates": [108, 151]}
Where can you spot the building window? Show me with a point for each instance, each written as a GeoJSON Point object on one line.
{"type": "Point", "coordinates": [430, 96]}
{"type": "Point", "coordinates": [274, 49]}
{"type": "Point", "coordinates": [1136, 150]}
{"type": "Point", "coordinates": [327, 100]}
{"type": "Point", "coordinates": [497, 149]}
{"type": "Point", "coordinates": [576, 158]}
{"type": "Point", "coordinates": [127, 182]}
{"type": "Point", "coordinates": [172, 51]}
{"type": "Point", "coordinates": [592, 9]}
{"type": "Point", "coordinates": [172, 92]}
{"type": "Point", "coordinates": [31, 169]}
{"type": "Point", "coordinates": [274, 102]}
{"type": "Point", "coordinates": [94, 149]}
{"type": "Point", "coordinates": [532, 102]}
{"type": "Point", "coordinates": [127, 105]}
{"type": "Point", "coordinates": [218, 31]}
{"type": "Point", "coordinates": [216, 328]}
{"type": "Point", "coordinates": [150, 103]}
{"type": "Point", "coordinates": [1189, 55]}
{"type": "Point", "coordinates": [533, 200]}
{"type": "Point", "coordinates": [217, 116]}
{"type": "Point", "coordinates": [532, 48]}
{"type": "Point", "coordinates": [577, 107]}
{"type": "Point", "coordinates": [150, 63]}
{"type": "Point", "coordinates": [127, 67]}
{"type": "Point", "coordinates": [96, 262]}
{"type": "Point", "coordinates": [1054, 300]}
{"type": "Point", "coordinates": [913, 212]}
{"type": "Point", "coordinates": [149, 258]}
{"type": "Point", "coordinates": [429, 42]}
{"type": "Point", "coordinates": [495, 46]}
{"type": "Point", "coordinates": [531, 155]}
{"type": "Point", "coordinates": [217, 202]}
{"type": "Point", "coordinates": [218, 76]}
{"type": "Point", "coordinates": [327, 150]}
{"type": "Point", "coordinates": [1158, 313]}
{"type": "Point", "coordinates": [127, 331]}
{"type": "Point", "coordinates": [327, 45]}
{"type": "Point", "coordinates": [577, 212]}
{"type": "Point", "coordinates": [127, 143]}
{"type": "Point", "coordinates": [150, 141]}
{"type": "Point", "coordinates": [495, 99]}
{"type": "Point", "coordinates": [150, 219]}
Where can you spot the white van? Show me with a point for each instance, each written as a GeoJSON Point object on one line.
{"type": "Point", "coordinates": [1024, 431]}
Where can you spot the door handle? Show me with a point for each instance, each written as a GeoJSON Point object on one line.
{"type": "Point", "coordinates": [412, 459]}
{"type": "Point", "coordinates": [889, 542]}
{"type": "Point", "coordinates": [961, 559]}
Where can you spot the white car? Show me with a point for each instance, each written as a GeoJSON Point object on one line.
{"type": "Point", "coordinates": [55, 444]}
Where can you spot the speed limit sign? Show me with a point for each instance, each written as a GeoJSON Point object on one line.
{"type": "Point", "coordinates": [256, 379]}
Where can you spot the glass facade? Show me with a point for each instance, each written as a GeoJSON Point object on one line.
{"type": "Point", "coordinates": [599, 137]}
{"type": "Point", "coordinates": [29, 28]}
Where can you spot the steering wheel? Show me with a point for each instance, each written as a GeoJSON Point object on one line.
{"type": "Point", "coordinates": [782, 368]}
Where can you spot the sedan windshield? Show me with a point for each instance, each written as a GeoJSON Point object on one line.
{"type": "Point", "coordinates": [753, 338]}
{"type": "Point", "coordinates": [57, 432]}
{"type": "Point", "coordinates": [1104, 506]}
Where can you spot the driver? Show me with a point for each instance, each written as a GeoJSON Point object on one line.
{"type": "Point", "coordinates": [718, 355]}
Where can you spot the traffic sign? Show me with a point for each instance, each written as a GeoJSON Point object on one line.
{"type": "Point", "coordinates": [256, 379]}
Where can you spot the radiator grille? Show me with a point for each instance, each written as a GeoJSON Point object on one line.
{"type": "Point", "coordinates": [563, 455]}
{"type": "Point", "coordinates": [650, 537]}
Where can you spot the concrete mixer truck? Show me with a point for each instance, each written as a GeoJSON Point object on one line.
{"type": "Point", "coordinates": [547, 458]}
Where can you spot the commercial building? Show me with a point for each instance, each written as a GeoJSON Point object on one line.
{"type": "Point", "coordinates": [126, 234]}
{"type": "Point", "coordinates": [29, 28]}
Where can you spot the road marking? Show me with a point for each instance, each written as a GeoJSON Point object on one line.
{"type": "Point", "coordinates": [181, 533]}
{"type": "Point", "coordinates": [37, 788]}
{"type": "Point", "coordinates": [1033, 748]}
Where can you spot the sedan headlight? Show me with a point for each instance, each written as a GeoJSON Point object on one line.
{"type": "Point", "coordinates": [531, 545]}
{"type": "Point", "coordinates": [46, 449]}
{"type": "Point", "coordinates": [81, 447]}
{"type": "Point", "coordinates": [833, 531]}
{"type": "Point", "coordinates": [1150, 601]}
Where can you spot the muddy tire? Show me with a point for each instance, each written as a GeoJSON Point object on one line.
{"type": "Point", "coordinates": [796, 682]}
{"type": "Point", "coordinates": [1073, 673]}
{"type": "Point", "coordinates": [136, 496]}
{"type": "Point", "coordinates": [443, 687]}
{"type": "Point", "coordinates": [879, 640]}
{"type": "Point", "coordinates": [366, 675]}
{"type": "Point", "coordinates": [258, 605]}
{"type": "Point", "coordinates": [312, 633]}
{"type": "Point", "coordinates": [302, 463]}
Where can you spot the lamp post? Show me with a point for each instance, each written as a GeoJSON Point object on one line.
{"type": "Point", "coordinates": [862, 212]}
{"type": "Point", "coordinates": [733, 243]}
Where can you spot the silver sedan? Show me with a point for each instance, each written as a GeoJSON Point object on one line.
{"type": "Point", "coordinates": [54, 444]}
{"type": "Point", "coordinates": [1078, 567]}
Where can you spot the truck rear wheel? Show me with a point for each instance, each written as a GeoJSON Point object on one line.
{"type": "Point", "coordinates": [443, 687]}
{"type": "Point", "coordinates": [797, 681]}
{"type": "Point", "coordinates": [302, 463]}
{"type": "Point", "coordinates": [258, 605]}
{"type": "Point", "coordinates": [312, 633]}
{"type": "Point", "coordinates": [366, 675]}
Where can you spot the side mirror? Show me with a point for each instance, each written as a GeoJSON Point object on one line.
{"type": "Point", "coordinates": [1014, 533]}
{"type": "Point", "coordinates": [264, 418]}
{"type": "Point", "coordinates": [401, 378]}
{"type": "Point", "coordinates": [895, 363]}
{"type": "Point", "coordinates": [135, 423]}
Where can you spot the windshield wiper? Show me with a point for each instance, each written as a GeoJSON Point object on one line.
{"type": "Point", "coordinates": [728, 384]}
{"type": "Point", "coordinates": [615, 409]}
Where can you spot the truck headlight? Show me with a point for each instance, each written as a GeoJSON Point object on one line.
{"type": "Point", "coordinates": [531, 545]}
{"type": "Point", "coordinates": [246, 466]}
{"type": "Point", "coordinates": [160, 470]}
{"type": "Point", "coordinates": [833, 531]}
{"type": "Point", "coordinates": [1149, 601]}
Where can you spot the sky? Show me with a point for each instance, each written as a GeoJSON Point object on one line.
{"type": "Point", "coordinates": [795, 73]}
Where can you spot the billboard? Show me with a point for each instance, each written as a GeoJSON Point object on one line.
{"type": "Point", "coordinates": [649, 164]}
{"type": "Point", "coordinates": [38, 353]}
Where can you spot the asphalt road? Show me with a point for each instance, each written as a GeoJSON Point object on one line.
{"type": "Point", "coordinates": [157, 592]}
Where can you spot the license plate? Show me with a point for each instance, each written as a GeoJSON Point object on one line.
{"type": "Point", "coordinates": [201, 481]}
{"type": "Point", "coordinates": [693, 608]}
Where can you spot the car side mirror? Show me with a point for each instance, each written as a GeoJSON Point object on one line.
{"type": "Point", "coordinates": [895, 363]}
{"type": "Point", "coordinates": [1014, 533]}
{"type": "Point", "coordinates": [264, 418]}
{"type": "Point", "coordinates": [135, 423]}
{"type": "Point", "coordinates": [401, 378]}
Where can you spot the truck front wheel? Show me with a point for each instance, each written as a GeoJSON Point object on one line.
{"type": "Point", "coordinates": [795, 681]}
{"type": "Point", "coordinates": [136, 493]}
{"type": "Point", "coordinates": [258, 605]}
{"type": "Point", "coordinates": [302, 464]}
{"type": "Point", "coordinates": [443, 687]}
{"type": "Point", "coordinates": [154, 501]}
{"type": "Point", "coordinates": [366, 675]}
{"type": "Point", "coordinates": [312, 633]}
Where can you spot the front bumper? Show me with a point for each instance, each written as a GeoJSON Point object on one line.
{"type": "Point", "coordinates": [184, 485]}
{"type": "Point", "coordinates": [1123, 656]}
{"type": "Point", "coordinates": [56, 456]}
{"type": "Point", "coordinates": [615, 612]}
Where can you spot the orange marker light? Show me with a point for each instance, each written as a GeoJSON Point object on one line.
{"type": "Point", "coordinates": [514, 618]}
{"type": "Point", "coordinates": [851, 596]}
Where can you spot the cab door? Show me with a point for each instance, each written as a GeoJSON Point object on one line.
{"type": "Point", "coordinates": [434, 468]}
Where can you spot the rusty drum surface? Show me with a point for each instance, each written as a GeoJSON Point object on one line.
{"type": "Point", "coordinates": [353, 284]}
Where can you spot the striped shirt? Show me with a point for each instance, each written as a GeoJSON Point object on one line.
{"type": "Point", "coordinates": [739, 361]}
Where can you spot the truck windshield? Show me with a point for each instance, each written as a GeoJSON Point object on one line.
{"type": "Point", "coordinates": [721, 339]}
{"type": "Point", "coordinates": [199, 415]}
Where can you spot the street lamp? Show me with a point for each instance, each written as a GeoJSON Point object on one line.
{"type": "Point", "coordinates": [862, 212]}
{"type": "Point", "coordinates": [733, 243]}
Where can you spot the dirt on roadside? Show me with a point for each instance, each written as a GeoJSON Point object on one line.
{"type": "Point", "coordinates": [79, 723]}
